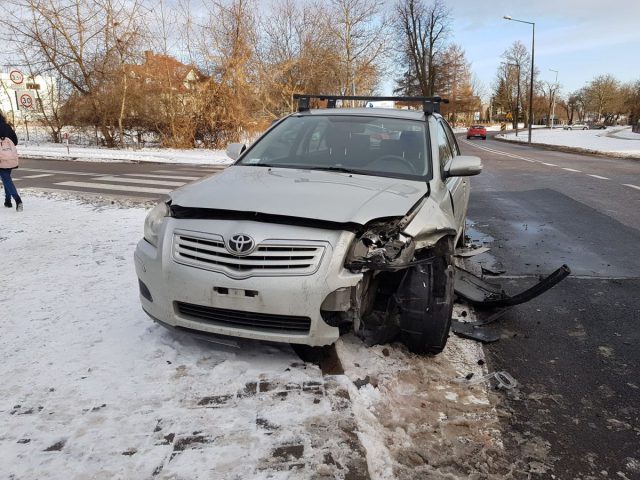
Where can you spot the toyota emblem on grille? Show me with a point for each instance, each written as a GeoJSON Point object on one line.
{"type": "Point", "coordinates": [241, 244]}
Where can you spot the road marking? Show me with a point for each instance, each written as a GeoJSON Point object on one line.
{"type": "Point", "coordinates": [632, 186]}
{"type": "Point", "coordinates": [499, 152]}
{"type": "Point", "coordinates": [549, 164]}
{"type": "Point", "coordinates": [571, 170]}
{"type": "Point", "coordinates": [38, 176]}
{"type": "Point", "coordinates": [598, 176]}
{"type": "Point", "coordinates": [146, 175]}
{"type": "Point", "coordinates": [22, 169]}
{"type": "Point", "coordinates": [141, 181]}
{"type": "Point", "coordinates": [125, 196]}
{"type": "Point", "coordinates": [106, 186]}
{"type": "Point", "coordinates": [191, 170]}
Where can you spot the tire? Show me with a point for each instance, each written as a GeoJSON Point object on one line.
{"type": "Point", "coordinates": [484, 138]}
{"type": "Point", "coordinates": [425, 302]}
{"type": "Point", "coordinates": [585, 128]}
{"type": "Point", "coordinates": [468, 137]}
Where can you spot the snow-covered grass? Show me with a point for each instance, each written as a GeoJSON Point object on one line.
{"type": "Point", "coordinates": [92, 388]}
{"type": "Point", "coordinates": [92, 154]}
{"type": "Point", "coordinates": [618, 141]}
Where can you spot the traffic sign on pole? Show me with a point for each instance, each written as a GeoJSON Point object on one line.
{"type": "Point", "coordinates": [17, 78]}
{"type": "Point", "coordinates": [26, 101]}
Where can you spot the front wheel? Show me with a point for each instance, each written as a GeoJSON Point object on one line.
{"type": "Point", "coordinates": [468, 137]}
{"type": "Point", "coordinates": [484, 138]}
{"type": "Point", "coordinates": [425, 301]}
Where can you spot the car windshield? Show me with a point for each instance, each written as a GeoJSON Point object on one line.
{"type": "Point", "coordinates": [353, 144]}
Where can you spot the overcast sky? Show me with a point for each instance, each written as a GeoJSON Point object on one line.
{"type": "Point", "coordinates": [581, 39]}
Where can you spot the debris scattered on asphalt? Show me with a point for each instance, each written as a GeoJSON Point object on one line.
{"type": "Point", "coordinates": [471, 252]}
{"type": "Point", "coordinates": [491, 272]}
{"type": "Point", "coordinates": [481, 293]}
{"type": "Point", "coordinates": [503, 380]}
{"type": "Point", "coordinates": [468, 330]}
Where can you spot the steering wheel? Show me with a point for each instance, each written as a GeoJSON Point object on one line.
{"type": "Point", "coordinates": [401, 160]}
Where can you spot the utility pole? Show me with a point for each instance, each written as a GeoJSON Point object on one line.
{"type": "Point", "coordinates": [553, 109]}
{"type": "Point", "coordinates": [533, 44]}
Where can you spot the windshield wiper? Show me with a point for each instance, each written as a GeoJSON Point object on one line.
{"type": "Point", "coordinates": [270, 165]}
{"type": "Point", "coordinates": [338, 169]}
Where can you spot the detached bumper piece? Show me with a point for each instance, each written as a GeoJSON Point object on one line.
{"type": "Point", "coordinates": [483, 294]}
{"type": "Point", "coordinates": [492, 301]}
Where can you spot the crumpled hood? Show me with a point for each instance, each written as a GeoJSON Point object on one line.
{"type": "Point", "coordinates": [312, 194]}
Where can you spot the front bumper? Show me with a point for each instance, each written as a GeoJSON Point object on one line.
{"type": "Point", "coordinates": [284, 308]}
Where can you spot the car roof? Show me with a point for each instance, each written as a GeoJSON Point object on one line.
{"type": "Point", "coordinates": [369, 112]}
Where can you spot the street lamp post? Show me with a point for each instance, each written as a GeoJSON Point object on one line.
{"type": "Point", "coordinates": [533, 43]}
{"type": "Point", "coordinates": [555, 91]}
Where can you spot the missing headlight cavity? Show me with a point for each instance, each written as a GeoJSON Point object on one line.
{"type": "Point", "coordinates": [382, 245]}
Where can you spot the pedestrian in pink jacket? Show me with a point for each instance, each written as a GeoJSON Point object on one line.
{"type": "Point", "coordinates": [8, 161]}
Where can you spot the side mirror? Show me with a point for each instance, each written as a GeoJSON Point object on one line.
{"type": "Point", "coordinates": [234, 150]}
{"type": "Point", "coordinates": [463, 166]}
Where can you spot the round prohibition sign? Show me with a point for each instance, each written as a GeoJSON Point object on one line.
{"type": "Point", "coordinates": [16, 77]}
{"type": "Point", "coordinates": [26, 101]}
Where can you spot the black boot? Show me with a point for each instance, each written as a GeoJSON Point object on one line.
{"type": "Point", "coordinates": [7, 202]}
{"type": "Point", "coordinates": [18, 204]}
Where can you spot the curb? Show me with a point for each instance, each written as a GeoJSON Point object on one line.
{"type": "Point", "coordinates": [561, 148]}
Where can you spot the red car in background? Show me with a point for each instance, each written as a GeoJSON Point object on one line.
{"type": "Point", "coordinates": [477, 131]}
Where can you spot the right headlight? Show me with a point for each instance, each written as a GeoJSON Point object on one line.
{"type": "Point", "coordinates": [153, 222]}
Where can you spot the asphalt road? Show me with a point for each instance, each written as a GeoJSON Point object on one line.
{"type": "Point", "coordinates": [576, 349]}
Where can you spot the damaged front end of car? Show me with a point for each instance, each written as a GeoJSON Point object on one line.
{"type": "Point", "coordinates": [405, 291]}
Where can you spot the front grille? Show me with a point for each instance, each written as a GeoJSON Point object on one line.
{"type": "Point", "coordinates": [245, 320]}
{"type": "Point", "coordinates": [270, 258]}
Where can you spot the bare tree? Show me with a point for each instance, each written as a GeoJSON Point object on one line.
{"type": "Point", "coordinates": [361, 32]}
{"type": "Point", "coordinates": [297, 54]}
{"type": "Point", "coordinates": [423, 29]}
{"type": "Point", "coordinates": [603, 99]}
{"type": "Point", "coordinates": [85, 42]}
{"type": "Point", "coordinates": [632, 103]}
{"type": "Point", "coordinates": [512, 76]}
{"type": "Point", "coordinates": [549, 92]}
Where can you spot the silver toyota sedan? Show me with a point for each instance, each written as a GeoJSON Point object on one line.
{"type": "Point", "coordinates": [334, 220]}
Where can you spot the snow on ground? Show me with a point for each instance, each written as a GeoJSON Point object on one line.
{"type": "Point", "coordinates": [93, 389]}
{"type": "Point", "coordinates": [92, 154]}
{"type": "Point", "coordinates": [612, 141]}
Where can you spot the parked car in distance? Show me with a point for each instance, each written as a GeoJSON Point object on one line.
{"type": "Point", "coordinates": [477, 131]}
{"type": "Point", "coordinates": [596, 126]}
{"type": "Point", "coordinates": [576, 126]}
{"type": "Point", "coordinates": [334, 220]}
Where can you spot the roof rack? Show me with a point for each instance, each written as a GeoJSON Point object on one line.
{"type": "Point", "coordinates": [430, 105]}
